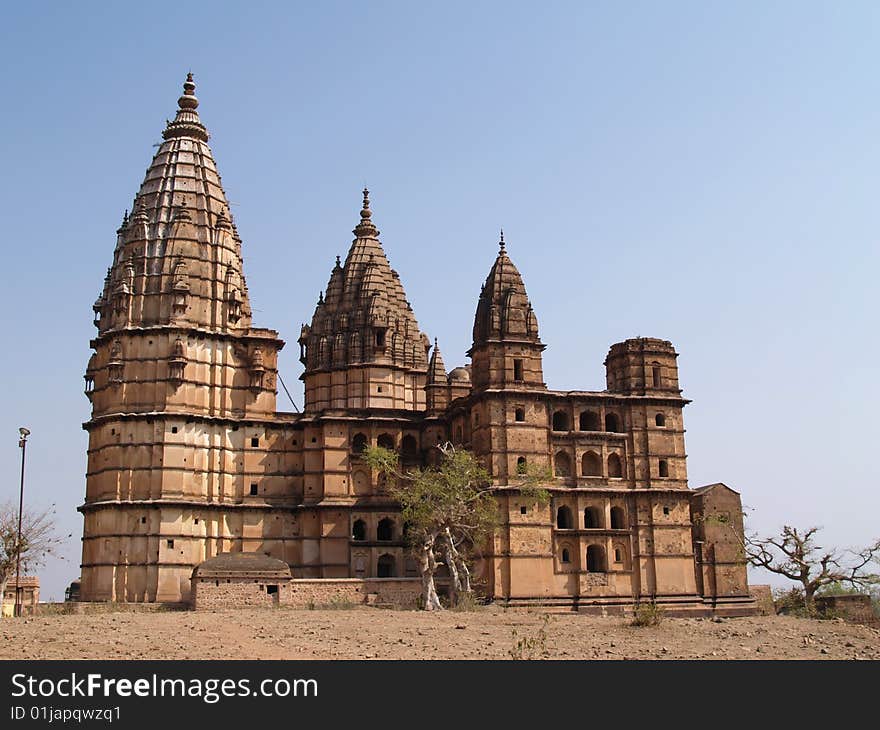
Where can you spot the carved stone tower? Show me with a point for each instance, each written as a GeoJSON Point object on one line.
{"type": "Point", "coordinates": [364, 348]}
{"type": "Point", "coordinates": [176, 367]}
{"type": "Point", "coordinates": [506, 351]}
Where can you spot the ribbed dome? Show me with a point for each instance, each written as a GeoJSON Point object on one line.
{"type": "Point", "coordinates": [178, 257]}
{"type": "Point", "coordinates": [365, 316]}
{"type": "Point", "coordinates": [504, 311]}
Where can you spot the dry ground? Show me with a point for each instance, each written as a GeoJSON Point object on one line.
{"type": "Point", "coordinates": [371, 633]}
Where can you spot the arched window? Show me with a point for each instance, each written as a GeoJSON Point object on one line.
{"type": "Point", "coordinates": [566, 556]}
{"type": "Point", "coordinates": [385, 566]}
{"type": "Point", "coordinates": [519, 414]}
{"type": "Point", "coordinates": [664, 468]}
{"type": "Point", "coordinates": [589, 421]}
{"type": "Point", "coordinates": [591, 464]}
{"type": "Point", "coordinates": [618, 554]}
{"type": "Point", "coordinates": [593, 518]}
{"type": "Point", "coordinates": [655, 374]}
{"type": "Point", "coordinates": [385, 529]}
{"type": "Point", "coordinates": [660, 419]}
{"type": "Point", "coordinates": [595, 559]}
{"type": "Point", "coordinates": [563, 519]}
{"type": "Point", "coordinates": [359, 530]}
{"type": "Point", "coordinates": [386, 441]}
{"type": "Point", "coordinates": [612, 422]}
{"type": "Point", "coordinates": [560, 421]}
{"type": "Point", "coordinates": [358, 443]}
{"type": "Point", "coordinates": [409, 446]}
{"type": "Point", "coordinates": [562, 465]}
{"type": "Point", "coordinates": [617, 519]}
{"type": "Point", "coordinates": [615, 468]}
{"type": "Point", "coordinates": [521, 465]}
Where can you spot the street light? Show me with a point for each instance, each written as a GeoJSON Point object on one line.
{"type": "Point", "coordinates": [22, 442]}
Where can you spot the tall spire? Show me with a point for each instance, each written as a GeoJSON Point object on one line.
{"type": "Point", "coordinates": [187, 122]}
{"type": "Point", "coordinates": [366, 228]}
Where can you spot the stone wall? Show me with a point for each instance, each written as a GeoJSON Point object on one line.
{"type": "Point", "coordinates": [855, 607]}
{"type": "Point", "coordinates": [306, 593]}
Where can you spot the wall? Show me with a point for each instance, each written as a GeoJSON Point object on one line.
{"type": "Point", "coordinates": [305, 593]}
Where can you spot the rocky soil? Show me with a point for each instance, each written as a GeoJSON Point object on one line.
{"type": "Point", "coordinates": [372, 633]}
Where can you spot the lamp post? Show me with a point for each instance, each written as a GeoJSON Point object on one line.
{"type": "Point", "coordinates": [22, 442]}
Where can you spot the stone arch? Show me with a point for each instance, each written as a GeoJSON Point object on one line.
{"type": "Point", "coordinates": [386, 566]}
{"type": "Point", "coordinates": [663, 467]}
{"type": "Point", "coordinates": [588, 421]}
{"type": "Point", "coordinates": [564, 520]}
{"type": "Point", "coordinates": [615, 467]}
{"type": "Point", "coordinates": [361, 482]}
{"type": "Point", "coordinates": [596, 559]}
{"type": "Point", "coordinates": [385, 530]}
{"type": "Point", "coordinates": [521, 465]}
{"type": "Point", "coordinates": [386, 441]}
{"type": "Point", "coordinates": [409, 447]}
{"type": "Point", "coordinates": [358, 443]}
{"type": "Point", "coordinates": [612, 422]}
{"type": "Point", "coordinates": [519, 415]}
{"type": "Point", "coordinates": [618, 518]}
{"type": "Point", "coordinates": [593, 518]}
{"type": "Point", "coordinates": [562, 464]}
{"type": "Point", "coordinates": [591, 464]}
{"type": "Point", "coordinates": [359, 530]}
{"type": "Point", "coordinates": [560, 421]}
{"type": "Point", "coordinates": [660, 420]}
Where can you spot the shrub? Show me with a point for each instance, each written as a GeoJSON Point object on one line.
{"type": "Point", "coordinates": [646, 614]}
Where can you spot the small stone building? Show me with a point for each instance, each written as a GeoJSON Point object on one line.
{"type": "Point", "coordinates": [234, 580]}
{"type": "Point", "coordinates": [30, 596]}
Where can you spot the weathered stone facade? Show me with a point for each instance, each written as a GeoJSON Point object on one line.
{"type": "Point", "coordinates": [188, 457]}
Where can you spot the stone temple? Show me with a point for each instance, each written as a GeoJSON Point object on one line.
{"type": "Point", "coordinates": [189, 459]}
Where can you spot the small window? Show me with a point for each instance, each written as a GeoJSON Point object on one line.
{"type": "Point", "coordinates": [618, 556]}
{"type": "Point", "coordinates": [170, 544]}
{"type": "Point", "coordinates": [655, 375]}
{"type": "Point", "coordinates": [380, 338]}
{"type": "Point", "coordinates": [612, 422]}
{"type": "Point", "coordinates": [272, 590]}
{"type": "Point", "coordinates": [566, 555]}
{"type": "Point", "coordinates": [523, 510]}
{"type": "Point", "coordinates": [359, 530]}
{"type": "Point", "coordinates": [560, 421]}
{"type": "Point", "coordinates": [378, 388]}
{"type": "Point", "coordinates": [385, 530]}
{"type": "Point", "coordinates": [476, 418]}
{"type": "Point", "coordinates": [255, 441]}
{"type": "Point", "coordinates": [664, 468]}
{"type": "Point", "coordinates": [519, 414]}
{"type": "Point", "coordinates": [144, 520]}
{"type": "Point", "coordinates": [666, 510]}
{"type": "Point", "coordinates": [196, 521]}
{"type": "Point", "coordinates": [174, 429]}
{"type": "Point", "coordinates": [517, 369]}
{"type": "Point", "coordinates": [314, 439]}
{"type": "Point", "coordinates": [359, 443]}
{"type": "Point", "coordinates": [253, 490]}
{"type": "Point", "coordinates": [660, 419]}
{"type": "Point", "coordinates": [521, 465]}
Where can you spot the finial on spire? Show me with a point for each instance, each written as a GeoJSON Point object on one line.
{"type": "Point", "coordinates": [186, 123]}
{"type": "Point", "coordinates": [366, 228]}
{"type": "Point", "coordinates": [320, 297]}
{"type": "Point", "coordinates": [338, 260]}
{"type": "Point", "coordinates": [501, 242]}
{"type": "Point", "coordinates": [188, 100]}
{"type": "Point", "coordinates": [435, 343]}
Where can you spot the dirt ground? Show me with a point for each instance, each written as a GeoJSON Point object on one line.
{"type": "Point", "coordinates": [372, 633]}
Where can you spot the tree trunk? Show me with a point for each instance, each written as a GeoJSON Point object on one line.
{"type": "Point", "coordinates": [3, 582]}
{"type": "Point", "coordinates": [461, 571]}
{"type": "Point", "coordinates": [449, 558]}
{"type": "Point", "coordinates": [428, 565]}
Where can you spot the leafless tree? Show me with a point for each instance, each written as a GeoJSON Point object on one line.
{"type": "Point", "coordinates": [795, 555]}
{"type": "Point", "coordinates": [38, 540]}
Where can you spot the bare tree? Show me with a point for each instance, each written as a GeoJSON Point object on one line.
{"type": "Point", "coordinates": [795, 555]}
{"type": "Point", "coordinates": [38, 540]}
{"type": "Point", "coordinates": [450, 510]}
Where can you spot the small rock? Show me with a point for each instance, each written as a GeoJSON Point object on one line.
{"type": "Point", "coordinates": [824, 650]}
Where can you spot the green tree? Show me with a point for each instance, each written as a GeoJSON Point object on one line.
{"type": "Point", "coordinates": [450, 512]}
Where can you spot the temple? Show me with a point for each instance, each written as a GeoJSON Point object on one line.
{"type": "Point", "coordinates": [189, 459]}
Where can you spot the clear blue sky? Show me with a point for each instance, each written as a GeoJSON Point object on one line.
{"type": "Point", "coordinates": [703, 172]}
